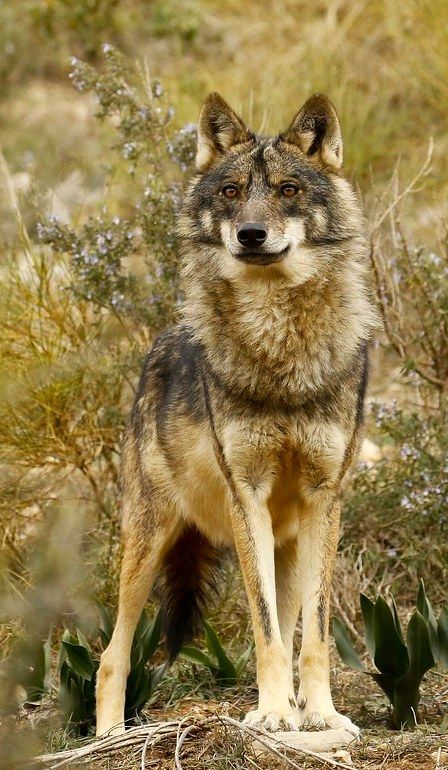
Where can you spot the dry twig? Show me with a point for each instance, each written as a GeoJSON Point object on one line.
{"type": "Point", "coordinates": [148, 735]}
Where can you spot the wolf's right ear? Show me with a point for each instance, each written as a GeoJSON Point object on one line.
{"type": "Point", "coordinates": [317, 131]}
{"type": "Point", "coordinates": [219, 129]}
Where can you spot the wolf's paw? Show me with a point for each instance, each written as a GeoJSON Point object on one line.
{"type": "Point", "coordinates": [314, 720]}
{"type": "Point", "coordinates": [337, 721]}
{"type": "Point", "coordinates": [272, 720]}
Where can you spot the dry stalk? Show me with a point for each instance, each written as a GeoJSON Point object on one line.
{"type": "Point", "coordinates": [180, 738]}
{"type": "Point", "coordinates": [424, 169]}
{"type": "Point", "coordinates": [266, 740]}
{"type": "Point", "coordinates": [147, 736]}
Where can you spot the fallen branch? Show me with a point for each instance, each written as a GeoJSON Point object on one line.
{"type": "Point", "coordinates": [147, 736]}
{"type": "Point", "coordinates": [267, 740]}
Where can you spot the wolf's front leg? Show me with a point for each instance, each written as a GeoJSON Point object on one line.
{"type": "Point", "coordinates": [318, 537]}
{"type": "Point", "coordinates": [254, 540]}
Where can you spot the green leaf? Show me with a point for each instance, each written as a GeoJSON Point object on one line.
{"type": "Point", "coordinates": [197, 656]}
{"type": "Point", "coordinates": [421, 600]}
{"type": "Point", "coordinates": [419, 644]}
{"type": "Point", "coordinates": [407, 687]}
{"type": "Point", "coordinates": [135, 683]}
{"type": "Point", "coordinates": [64, 673]}
{"type": "Point", "coordinates": [151, 637]}
{"type": "Point", "coordinates": [143, 627]}
{"type": "Point", "coordinates": [367, 614]}
{"type": "Point", "coordinates": [104, 637]}
{"type": "Point", "coordinates": [442, 635]}
{"type": "Point", "coordinates": [82, 640]}
{"type": "Point", "coordinates": [79, 659]}
{"type": "Point", "coordinates": [243, 660]}
{"type": "Point", "coordinates": [387, 684]}
{"type": "Point", "coordinates": [106, 621]}
{"type": "Point", "coordinates": [424, 606]}
{"type": "Point", "coordinates": [227, 673]}
{"type": "Point", "coordinates": [391, 655]}
{"type": "Point", "coordinates": [141, 696]}
{"type": "Point", "coordinates": [146, 688]}
{"type": "Point", "coordinates": [62, 656]}
{"type": "Point", "coordinates": [344, 646]}
{"type": "Point", "coordinates": [397, 620]}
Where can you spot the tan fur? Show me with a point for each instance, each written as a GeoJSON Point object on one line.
{"type": "Point", "coordinates": [254, 450]}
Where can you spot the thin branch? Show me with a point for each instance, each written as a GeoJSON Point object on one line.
{"type": "Point", "coordinates": [266, 740]}
{"type": "Point", "coordinates": [145, 736]}
{"type": "Point", "coordinates": [180, 738]}
{"type": "Point", "coordinates": [422, 172]}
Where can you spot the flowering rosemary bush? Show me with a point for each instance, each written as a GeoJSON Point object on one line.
{"type": "Point", "coordinates": [399, 509]}
{"type": "Point", "coordinates": [82, 309]}
{"type": "Point", "coordinates": [154, 157]}
{"type": "Point", "coordinates": [397, 512]}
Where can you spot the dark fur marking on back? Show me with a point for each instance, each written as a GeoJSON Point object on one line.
{"type": "Point", "coordinates": [362, 386]}
{"type": "Point", "coordinates": [179, 389]}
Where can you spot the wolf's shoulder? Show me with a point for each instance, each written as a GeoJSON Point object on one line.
{"type": "Point", "coordinates": [174, 350]}
{"type": "Point", "coordinates": [172, 375]}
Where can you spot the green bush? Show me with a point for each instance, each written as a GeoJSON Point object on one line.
{"type": "Point", "coordinates": [399, 508]}
{"type": "Point", "coordinates": [155, 158]}
{"type": "Point", "coordinates": [401, 665]}
{"type": "Point", "coordinates": [225, 671]}
{"type": "Point", "coordinates": [78, 667]}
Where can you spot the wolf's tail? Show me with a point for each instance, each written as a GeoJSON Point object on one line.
{"type": "Point", "coordinates": [189, 579]}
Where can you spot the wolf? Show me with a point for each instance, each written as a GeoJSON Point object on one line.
{"type": "Point", "coordinates": [249, 411]}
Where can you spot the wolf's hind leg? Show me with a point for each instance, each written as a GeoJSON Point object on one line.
{"type": "Point", "coordinates": [143, 554]}
{"type": "Point", "coordinates": [289, 597]}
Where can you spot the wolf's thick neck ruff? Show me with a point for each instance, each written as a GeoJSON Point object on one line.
{"type": "Point", "coordinates": [269, 340]}
{"type": "Point", "coordinates": [275, 256]}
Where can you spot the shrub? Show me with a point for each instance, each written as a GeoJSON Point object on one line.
{"type": "Point", "coordinates": [78, 668]}
{"type": "Point", "coordinates": [155, 157]}
{"type": "Point", "coordinates": [225, 671]}
{"type": "Point", "coordinates": [399, 508]}
{"type": "Point", "coordinates": [401, 665]}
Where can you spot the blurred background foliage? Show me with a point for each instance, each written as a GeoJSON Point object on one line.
{"type": "Point", "coordinates": [99, 100]}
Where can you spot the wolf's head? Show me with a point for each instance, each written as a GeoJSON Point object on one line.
{"type": "Point", "coordinates": [269, 207]}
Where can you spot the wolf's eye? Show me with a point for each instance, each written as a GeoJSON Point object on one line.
{"type": "Point", "coordinates": [289, 190]}
{"type": "Point", "coordinates": [230, 190]}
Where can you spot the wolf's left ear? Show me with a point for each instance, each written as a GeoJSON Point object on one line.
{"type": "Point", "coordinates": [316, 130]}
{"type": "Point", "coordinates": [219, 128]}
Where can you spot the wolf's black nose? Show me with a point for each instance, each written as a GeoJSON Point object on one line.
{"type": "Point", "coordinates": [252, 234]}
